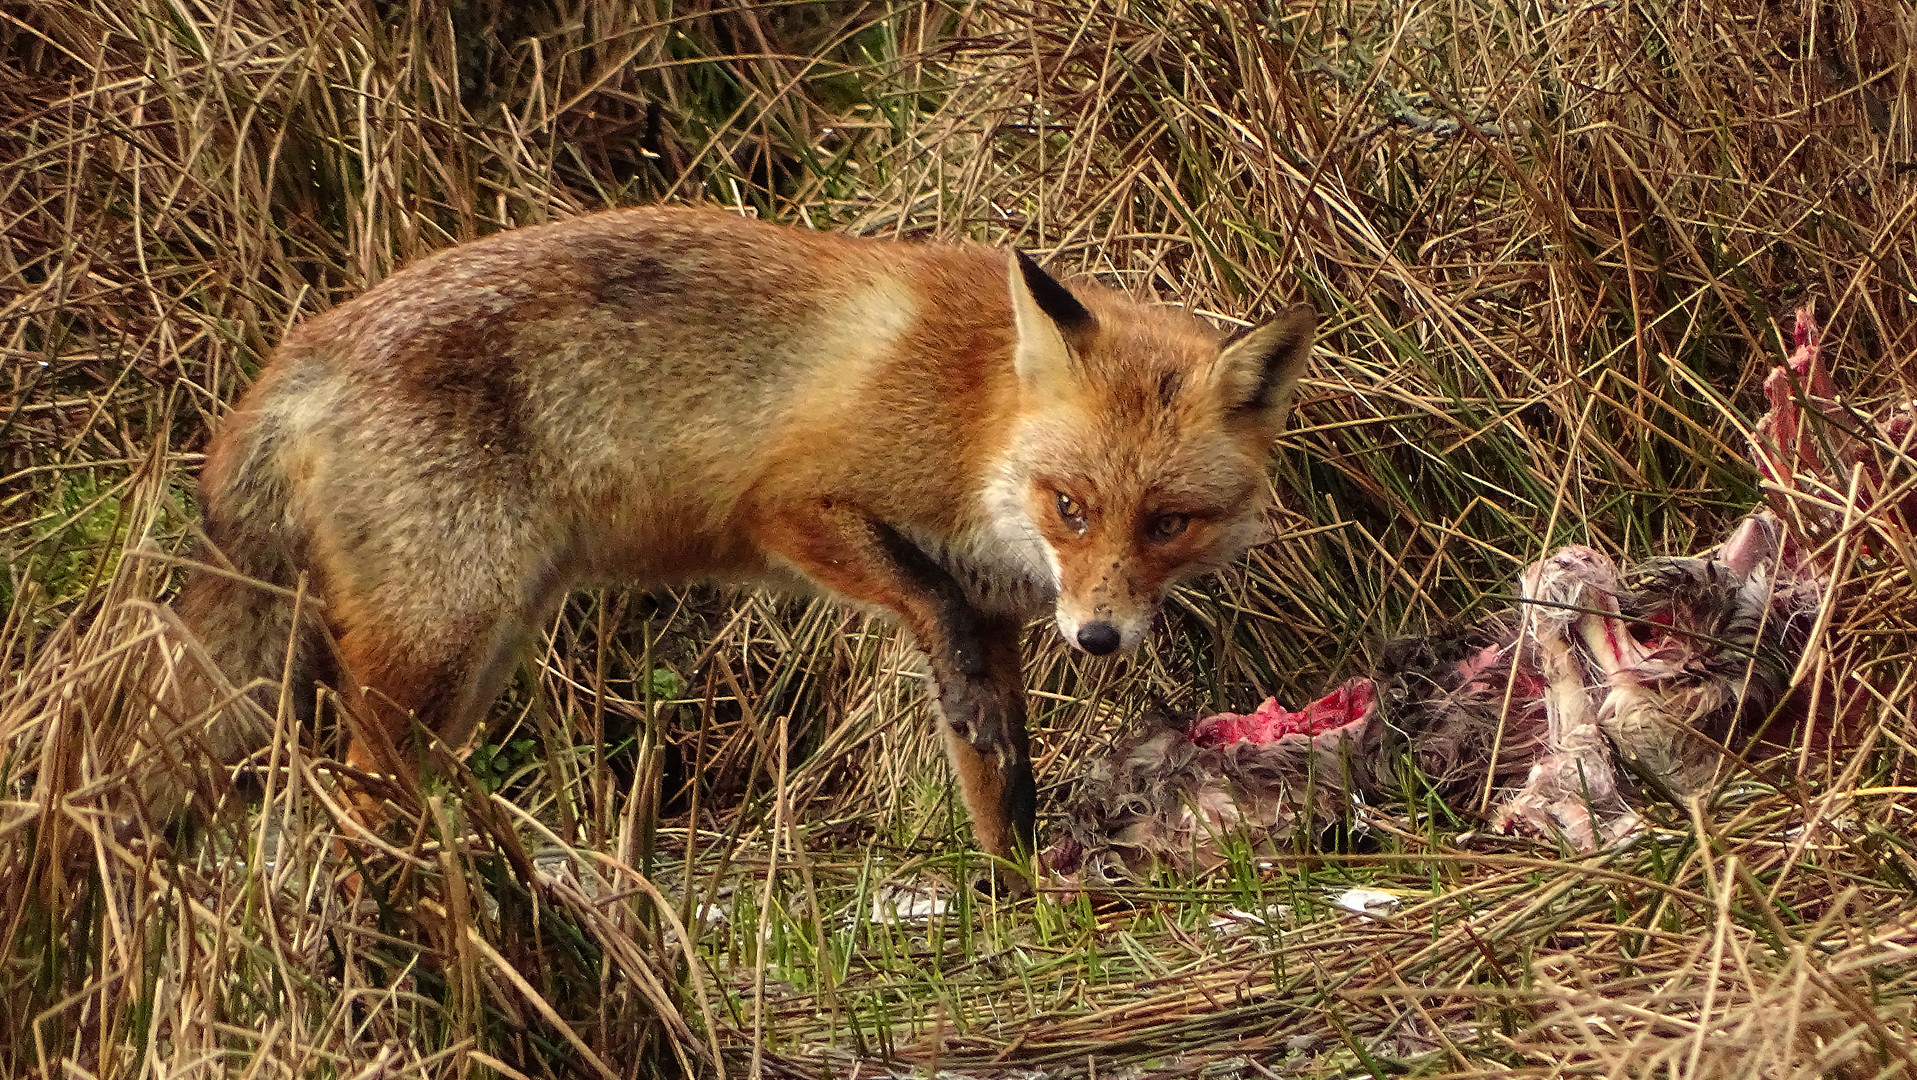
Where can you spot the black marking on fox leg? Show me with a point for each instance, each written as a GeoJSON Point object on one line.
{"type": "Point", "coordinates": [1019, 800]}
{"type": "Point", "coordinates": [957, 620]}
{"type": "Point", "coordinates": [976, 671]}
{"type": "Point", "coordinates": [1055, 300]}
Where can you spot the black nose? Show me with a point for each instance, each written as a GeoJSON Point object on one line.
{"type": "Point", "coordinates": [1098, 638]}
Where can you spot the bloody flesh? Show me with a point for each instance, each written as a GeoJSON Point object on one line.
{"type": "Point", "coordinates": [1272, 721]}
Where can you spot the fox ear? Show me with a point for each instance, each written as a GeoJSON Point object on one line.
{"type": "Point", "coordinates": [1048, 319]}
{"type": "Point", "coordinates": [1257, 372]}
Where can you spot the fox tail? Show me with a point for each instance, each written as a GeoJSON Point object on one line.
{"type": "Point", "coordinates": [250, 644]}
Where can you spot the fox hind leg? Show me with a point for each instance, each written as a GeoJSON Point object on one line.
{"type": "Point", "coordinates": [428, 650]}
{"type": "Point", "coordinates": [389, 681]}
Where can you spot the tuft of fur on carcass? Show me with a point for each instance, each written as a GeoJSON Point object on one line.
{"type": "Point", "coordinates": [1719, 636]}
{"type": "Point", "coordinates": [1183, 797]}
{"type": "Point", "coordinates": [1462, 701]}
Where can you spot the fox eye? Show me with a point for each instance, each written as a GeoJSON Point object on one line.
{"type": "Point", "coordinates": [1167, 527]}
{"type": "Point", "coordinates": [1073, 513]}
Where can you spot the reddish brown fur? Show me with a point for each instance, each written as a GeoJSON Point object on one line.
{"type": "Point", "coordinates": [658, 396]}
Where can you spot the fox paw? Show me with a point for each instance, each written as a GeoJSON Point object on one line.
{"type": "Point", "coordinates": [984, 716]}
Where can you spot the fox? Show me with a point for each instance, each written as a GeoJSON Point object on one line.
{"type": "Point", "coordinates": [649, 397]}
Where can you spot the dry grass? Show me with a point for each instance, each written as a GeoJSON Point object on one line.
{"type": "Point", "coordinates": [1551, 245]}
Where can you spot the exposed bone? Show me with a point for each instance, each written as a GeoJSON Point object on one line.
{"type": "Point", "coordinates": [1757, 541]}
{"type": "Point", "coordinates": [1809, 464]}
{"type": "Point", "coordinates": [1783, 445]}
{"type": "Point", "coordinates": [1572, 790]}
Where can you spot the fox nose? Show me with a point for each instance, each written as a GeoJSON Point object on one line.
{"type": "Point", "coordinates": [1099, 638]}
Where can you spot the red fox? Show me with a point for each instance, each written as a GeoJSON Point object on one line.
{"type": "Point", "coordinates": [657, 396]}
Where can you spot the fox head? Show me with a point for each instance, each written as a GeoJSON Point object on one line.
{"type": "Point", "coordinates": [1140, 449]}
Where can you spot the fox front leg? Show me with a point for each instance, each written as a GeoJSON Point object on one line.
{"type": "Point", "coordinates": [974, 658]}
{"type": "Point", "coordinates": [981, 701]}
{"type": "Point", "coordinates": [994, 772]}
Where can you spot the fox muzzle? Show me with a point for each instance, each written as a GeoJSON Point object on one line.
{"type": "Point", "coordinates": [1102, 634]}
